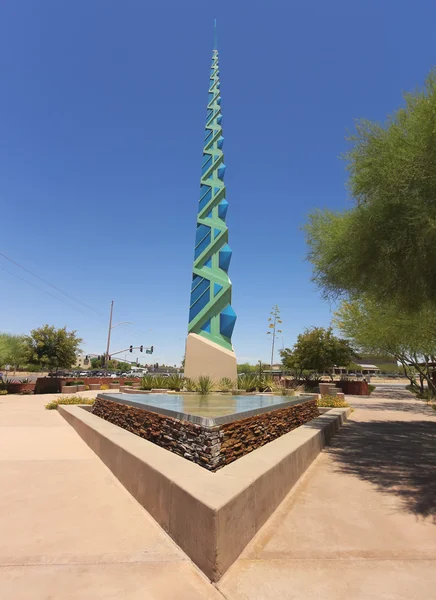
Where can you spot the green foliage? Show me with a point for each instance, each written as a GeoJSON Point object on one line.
{"type": "Point", "coordinates": [174, 382]}
{"type": "Point", "coordinates": [316, 350]}
{"type": "Point", "coordinates": [146, 382]}
{"type": "Point", "coordinates": [12, 350]}
{"type": "Point", "coordinates": [160, 383]}
{"type": "Point", "coordinates": [69, 400]}
{"type": "Point", "coordinates": [51, 347]}
{"type": "Point", "coordinates": [248, 383]}
{"type": "Point", "coordinates": [190, 384]}
{"type": "Point", "coordinates": [130, 383]}
{"type": "Point", "coordinates": [385, 329]}
{"type": "Point", "coordinates": [371, 388]}
{"type": "Point", "coordinates": [204, 385]}
{"type": "Point", "coordinates": [247, 368]}
{"type": "Point", "coordinates": [332, 402]}
{"type": "Point", "coordinates": [267, 384]}
{"type": "Point", "coordinates": [385, 245]}
{"type": "Point", "coordinates": [226, 384]}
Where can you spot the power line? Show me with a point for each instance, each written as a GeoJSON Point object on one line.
{"type": "Point", "coordinates": [53, 286]}
{"type": "Point", "coordinates": [100, 314]}
{"type": "Point", "coordinates": [43, 291]}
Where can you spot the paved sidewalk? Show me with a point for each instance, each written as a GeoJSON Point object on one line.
{"type": "Point", "coordinates": [361, 523]}
{"type": "Point", "coordinates": [68, 529]}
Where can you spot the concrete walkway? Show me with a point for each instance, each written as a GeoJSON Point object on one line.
{"type": "Point", "coordinates": [68, 529]}
{"type": "Point", "coordinates": [360, 524]}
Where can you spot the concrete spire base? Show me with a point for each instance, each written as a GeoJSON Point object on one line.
{"type": "Point", "coordinates": [204, 357]}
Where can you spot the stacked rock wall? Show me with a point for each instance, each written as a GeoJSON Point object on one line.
{"type": "Point", "coordinates": [210, 447]}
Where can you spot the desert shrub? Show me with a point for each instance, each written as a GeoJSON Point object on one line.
{"type": "Point", "coordinates": [371, 388]}
{"type": "Point", "coordinates": [204, 385]}
{"type": "Point", "coordinates": [70, 383]}
{"type": "Point", "coordinates": [146, 382]}
{"type": "Point", "coordinates": [160, 382]}
{"type": "Point", "coordinates": [68, 400]}
{"type": "Point", "coordinates": [104, 386]}
{"type": "Point", "coordinates": [189, 384]}
{"type": "Point", "coordinates": [174, 382]}
{"type": "Point", "coordinates": [3, 392]}
{"type": "Point", "coordinates": [248, 382]}
{"type": "Point", "coordinates": [287, 391]}
{"type": "Point", "coordinates": [86, 387]}
{"type": "Point", "coordinates": [226, 384]}
{"type": "Point", "coordinates": [128, 383]}
{"type": "Point", "coordinates": [332, 402]}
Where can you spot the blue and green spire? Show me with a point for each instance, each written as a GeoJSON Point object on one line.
{"type": "Point", "coordinates": [211, 314]}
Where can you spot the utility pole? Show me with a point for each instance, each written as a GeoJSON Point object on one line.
{"type": "Point", "coordinates": [109, 336]}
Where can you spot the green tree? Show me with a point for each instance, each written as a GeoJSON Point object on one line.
{"type": "Point", "coordinates": [317, 351]}
{"type": "Point", "coordinates": [247, 368]}
{"type": "Point", "coordinates": [12, 350]}
{"type": "Point", "coordinates": [273, 322]}
{"type": "Point", "coordinates": [385, 329]}
{"type": "Point", "coordinates": [386, 244]}
{"type": "Point", "coordinates": [51, 347]}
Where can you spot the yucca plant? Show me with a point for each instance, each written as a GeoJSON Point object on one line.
{"type": "Point", "coordinates": [204, 385]}
{"type": "Point", "coordinates": [189, 384]}
{"type": "Point", "coordinates": [147, 382]}
{"type": "Point", "coordinates": [174, 382]}
{"type": "Point", "coordinates": [226, 384]}
{"type": "Point", "coordinates": [248, 382]}
{"type": "Point", "coordinates": [160, 382]}
{"type": "Point", "coordinates": [267, 384]}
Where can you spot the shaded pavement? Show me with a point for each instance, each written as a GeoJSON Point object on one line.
{"type": "Point", "coordinates": [361, 523]}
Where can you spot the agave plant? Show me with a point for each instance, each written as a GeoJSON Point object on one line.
{"type": "Point", "coordinates": [204, 385]}
{"type": "Point", "coordinates": [160, 382]}
{"type": "Point", "coordinates": [174, 382]}
{"type": "Point", "coordinates": [248, 382]}
{"type": "Point", "coordinates": [147, 382]}
{"type": "Point", "coordinates": [267, 384]}
{"type": "Point", "coordinates": [190, 384]}
{"type": "Point", "coordinates": [226, 384]}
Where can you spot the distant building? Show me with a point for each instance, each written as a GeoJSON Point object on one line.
{"type": "Point", "coordinates": [83, 361]}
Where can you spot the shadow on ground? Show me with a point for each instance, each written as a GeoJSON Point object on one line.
{"type": "Point", "coordinates": [416, 407]}
{"type": "Point", "coordinates": [399, 457]}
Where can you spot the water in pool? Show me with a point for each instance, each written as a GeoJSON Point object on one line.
{"type": "Point", "coordinates": [214, 405]}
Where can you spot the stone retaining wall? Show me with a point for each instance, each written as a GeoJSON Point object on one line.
{"type": "Point", "coordinates": [241, 437]}
{"type": "Point", "coordinates": [210, 447]}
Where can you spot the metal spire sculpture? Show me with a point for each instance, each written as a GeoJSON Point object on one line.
{"type": "Point", "coordinates": [211, 315]}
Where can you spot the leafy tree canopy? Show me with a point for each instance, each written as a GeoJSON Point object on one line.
{"type": "Point", "coordinates": [11, 349]}
{"type": "Point", "coordinates": [386, 244]}
{"type": "Point", "coordinates": [51, 347]}
{"type": "Point", "coordinates": [385, 329]}
{"type": "Point", "coordinates": [317, 350]}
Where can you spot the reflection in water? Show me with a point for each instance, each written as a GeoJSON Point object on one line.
{"type": "Point", "coordinates": [204, 406]}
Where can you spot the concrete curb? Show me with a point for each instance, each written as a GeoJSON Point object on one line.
{"type": "Point", "coordinates": [211, 516]}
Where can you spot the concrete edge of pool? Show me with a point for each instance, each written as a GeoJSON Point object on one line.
{"type": "Point", "coordinates": [211, 516]}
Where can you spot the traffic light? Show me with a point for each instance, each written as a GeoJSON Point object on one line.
{"type": "Point", "coordinates": [131, 349]}
{"type": "Point", "coordinates": [98, 357]}
{"type": "Point", "coordinates": [141, 348]}
{"type": "Point", "coordinates": [149, 350]}
{"type": "Point", "coordinates": [109, 358]}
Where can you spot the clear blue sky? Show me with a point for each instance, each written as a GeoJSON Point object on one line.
{"type": "Point", "coordinates": [102, 110]}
